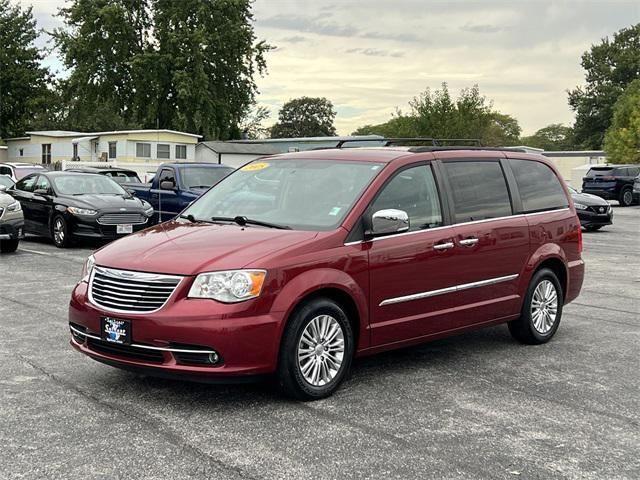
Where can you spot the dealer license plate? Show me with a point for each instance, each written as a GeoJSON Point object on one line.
{"type": "Point", "coordinates": [124, 229]}
{"type": "Point", "coordinates": [115, 330]}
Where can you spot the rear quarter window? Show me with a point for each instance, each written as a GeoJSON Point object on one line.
{"type": "Point", "coordinates": [539, 187]}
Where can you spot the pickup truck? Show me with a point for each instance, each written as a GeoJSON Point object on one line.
{"type": "Point", "coordinates": [176, 185]}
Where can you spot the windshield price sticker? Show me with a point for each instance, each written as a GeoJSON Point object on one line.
{"type": "Point", "coordinates": [252, 167]}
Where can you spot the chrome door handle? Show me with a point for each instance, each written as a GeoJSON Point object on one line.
{"type": "Point", "coordinates": [443, 246]}
{"type": "Point", "coordinates": [468, 242]}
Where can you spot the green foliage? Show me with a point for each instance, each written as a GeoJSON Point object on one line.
{"type": "Point", "coordinates": [24, 93]}
{"type": "Point", "coordinates": [622, 140]}
{"type": "Point", "coordinates": [554, 137]}
{"type": "Point", "coordinates": [186, 65]}
{"type": "Point", "coordinates": [610, 67]}
{"type": "Point", "coordinates": [252, 125]}
{"type": "Point", "coordinates": [438, 115]}
{"type": "Point", "coordinates": [305, 117]}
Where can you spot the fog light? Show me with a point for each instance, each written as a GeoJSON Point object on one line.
{"type": "Point", "coordinates": [213, 358]}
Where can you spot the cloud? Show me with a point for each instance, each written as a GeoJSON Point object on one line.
{"type": "Point", "coordinates": [374, 52]}
{"type": "Point", "coordinates": [481, 28]}
{"type": "Point", "coordinates": [295, 39]}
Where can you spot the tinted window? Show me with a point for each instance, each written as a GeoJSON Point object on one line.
{"type": "Point", "coordinates": [479, 190]}
{"type": "Point", "coordinates": [414, 191]}
{"type": "Point", "coordinates": [539, 187]}
{"type": "Point", "coordinates": [203, 177]}
{"type": "Point", "coordinates": [80, 184]}
{"type": "Point", "coordinates": [600, 171]}
{"type": "Point", "coordinates": [167, 175]}
{"type": "Point", "coordinates": [5, 170]}
{"type": "Point", "coordinates": [632, 171]}
{"type": "Point", "coordinates": [27, 184]}
{"type": "Point", "coordinates": [42, 184]}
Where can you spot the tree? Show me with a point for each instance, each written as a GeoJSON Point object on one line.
{"type": "Point", "coordinates": [252, 126]}
{"type": "Point", "coordinates": [438, 115]}
{"type": "Point", "coordinates": [25, 98]}
{"type": "Point", "coordinates": [554, 137]}
{"type": "Point", "coordinates": [622, 140]}
{"type": "Point", "coordinates": [305, 117]}
{"type": "Point", "coordinates": [185, 65]}
{"type": "Point", "coordinates": [610, 67]}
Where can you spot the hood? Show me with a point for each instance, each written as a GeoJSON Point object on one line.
{"type": "Point", "coordinates": [6, 200]}
{"type": "Point", "coordinates": [104, 202]}
{"type": "Point", "coordinates": [588, 199]}
{"type": "Point", "coordinates": [191, 248]}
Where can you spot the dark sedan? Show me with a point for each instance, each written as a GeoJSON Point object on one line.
{"type": "Point", "coordinates": [593, 212]}
{"type": "Point", "coordinates": [64, 206]}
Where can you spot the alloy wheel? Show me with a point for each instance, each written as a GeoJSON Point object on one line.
{"type": "Point", "coordinates": [627, 197]}
{"type": "Point", "coordinates": [321, 350]}
{"type": "Point", "coordinates": [544, 306]}
{"type": "Point", "coordinates": [58, 231]}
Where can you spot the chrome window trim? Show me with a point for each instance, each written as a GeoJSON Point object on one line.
{"type": "Point", "coordinates": [136, 345]}
{"type": "Point", "coordinates": [442, 291]}
{"type": "Point", "coordinates": [518, 215]}
{"type": "Point", "coordinates": [130, 275]}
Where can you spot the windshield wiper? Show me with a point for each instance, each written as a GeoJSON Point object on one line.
{"type": "Point", "coordinates": [242, 221]}
{"type": "Point", "coordinates": [193, 219]}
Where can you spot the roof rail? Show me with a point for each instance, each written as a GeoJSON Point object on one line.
{"type": "Point", "coordinates": [464, 147]}
{"type": "Point", "coordinates": [433, 142]}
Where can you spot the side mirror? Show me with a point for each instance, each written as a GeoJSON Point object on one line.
{"type": "Point", "coordinates": [167, 185]}
{"type": "Point", "coordinates": [385, 222]}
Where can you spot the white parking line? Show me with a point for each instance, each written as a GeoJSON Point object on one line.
{"type": "Point", "coordinates": [36, 251]}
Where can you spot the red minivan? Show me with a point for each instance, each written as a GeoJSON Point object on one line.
{"type": "Point", "coordinates": [294, 264]}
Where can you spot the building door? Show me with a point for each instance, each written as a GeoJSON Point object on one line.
{"type": "Point", "coordinates": [46, 153]}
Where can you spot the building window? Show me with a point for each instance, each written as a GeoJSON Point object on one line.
{"type": "Point", "coordinates": [75, 151]}
{"type": "Point", "coordinates": [46, 153]}
{"type": "Point", "coordinates": [113, 149]}
{"type": "Point", "coordinates": [22, 152]}
{"type": "Point", "coordinates": [181, 152]}
{"type": "Point", "coordinates": [164, 150]}
{"type": "Point", "coordinates": [143, 150]}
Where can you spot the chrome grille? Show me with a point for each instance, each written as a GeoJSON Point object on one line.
{"type": "Point", "coordinates": [127, 291]}
{"type": "Point", "coordinates": [122, 219]}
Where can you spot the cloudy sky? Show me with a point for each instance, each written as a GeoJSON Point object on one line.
{"type": "Point", "coordinates": [371, 56]}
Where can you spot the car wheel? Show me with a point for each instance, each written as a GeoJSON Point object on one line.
{"type": "Point", "coordinates": [316, 352]}
{"type": "Point", "coordinates": [541, 311]}
{"type": "Point", "coordinates": [593, 228]}
{"type": "Point", "coordinates": [60, 232]}
{"type": "Point", "coordinates": [626, 197]}
{"type": "Point", "coordinates": [9, 246]}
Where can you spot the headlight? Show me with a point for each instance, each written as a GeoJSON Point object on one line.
{"type": "Point", "coordinates": [82, 211]}
{"type": "Point", "coordinates": [580, 206]}
{"type": "Point", "coordinates": [229, 287]}
{"type": "Point", "coordinates": [14, 207]}
{"type": "Point", "coordinates": [88, 268]}
{"type": "Point", "coordinates": [149, 211]}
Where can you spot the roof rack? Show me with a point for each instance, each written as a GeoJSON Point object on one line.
{"type": "Point", "coordinates": [431, 142]}
{"type": "Point", "coordinates": [464, 147]}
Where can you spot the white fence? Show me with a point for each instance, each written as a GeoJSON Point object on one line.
{"type": "Point", "coordinates": [144, 170]}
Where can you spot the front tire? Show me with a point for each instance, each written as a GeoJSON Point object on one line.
{"type": "Point", "coordinates": [541, 311]}
{"type": "Point", "coordinates": [60, 232]}
{"type": "Point", "coordinates": [626, 197]}
{"type": "Point", "coordinates": [9, 246]}
{"type": "Point", "coordinates": [317, 350]}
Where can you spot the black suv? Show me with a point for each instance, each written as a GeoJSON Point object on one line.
{"type": "Point", "coordinates": [612, 182]}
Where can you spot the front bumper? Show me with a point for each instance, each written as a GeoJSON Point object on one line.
{"type": "Point", "coordinates": [11, 229]}
{"type": "Point", "coordinates": [88, 227]}
{"type": "Point", "coordinates": [606, 193]}
{"type": "Point", "coordinates": [247, 345]}
{"type": "Point", "coordinates": [589, 218]}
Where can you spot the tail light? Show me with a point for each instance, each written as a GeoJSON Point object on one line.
{"type": "Point", "coordinates": [579, 227]}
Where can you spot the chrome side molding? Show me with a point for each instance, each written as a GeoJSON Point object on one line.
{"type": "Point", "coordinates": [443, 291]}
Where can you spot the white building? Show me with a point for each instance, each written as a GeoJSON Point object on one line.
{"type": "Point", "coordinates": [233, 154]}
{"type": "Point", "coordinates": [52, 146]}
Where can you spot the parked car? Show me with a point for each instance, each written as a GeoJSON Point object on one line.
{"type": "Point", "coordinates": [64, 206]}
{"type": "Point", "coordinates": [177, 184]}
{"type": "Point", "coordinates": [11, 221]}
{"type": "Point", "coordinates": [6, 181]}
{"type": "Point", "coordinates": [593, 212]}
{"type": "Point", "coordinates": [636, 190]}
{"type": "Point", "coordinates": [17, 171]}
{"type": "Point", "coordinates": [611, 182]}
{"type": "Point", "coordinates": [121, 175]}
{"type": "Point", "coordinates": [339, 253]}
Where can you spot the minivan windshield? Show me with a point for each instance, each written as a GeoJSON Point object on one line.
{"type": "Point", "coordinates": [299, 194]}
{"type": "Point", "coordinates": [79, 184]}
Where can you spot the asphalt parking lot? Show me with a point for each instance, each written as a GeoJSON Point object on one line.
{"type": "Point", "coordinates": [474, 406]}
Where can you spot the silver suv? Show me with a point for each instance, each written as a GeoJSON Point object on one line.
{"type": "Point", "coordinates": [11, 222]}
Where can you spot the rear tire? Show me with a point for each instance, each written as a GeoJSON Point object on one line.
{"type": "Point", "coordinates": [60, 232]}
{"type": "Point", "coordinates": [9, 246]}
{"type": "Point", "coordinates": [316, 351]}
{"type": "Point", "coordinates": [626, 197]}
{"type": "Point", "coordinates": [541, 310]}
